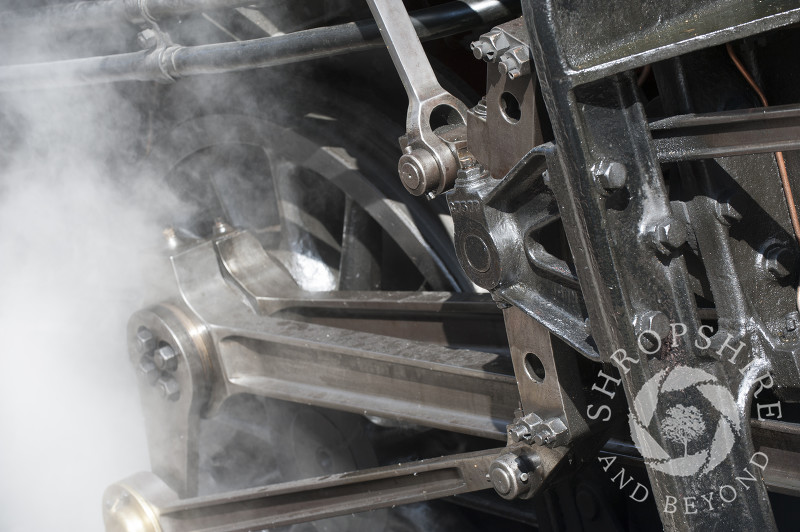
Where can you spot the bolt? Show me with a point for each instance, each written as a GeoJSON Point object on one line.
{"type": "Point", "coordinates": [488, 46]}
{"type": "Point", "coordinates": [471, 173]}
{"type": "Point", "coordinates": [221, 227]}
{"type": "Point", "coordinates": [169, 388]}
{"type": "Point", "coordinates": [792, 320]}
{"type": "Point", "coordinates": [610, 175]}
{"type": "Point", "coordinates": [518, 433]}
{"type": "Point", "coordinates": [480, 49]}
{"type": "Point", "coordinates": [501, 303]}
{"type": "Point", "coordinates": [145, 341]}
{"type": "Point", "coordinates": [419, 171]}
{"type": "Point", "coordinates": [147, 39]}
{"type": "Point", "coordinates": [726, 213]}
{"type": "Point", "coordinates": [515, 62]}
{"type": "Point", "coordinates": [480, 107]}
{"type": "Point", "coordinates": [649, 324]}
{"type": "Point", "coordinates": [779, 261]}
{"type": "Point", "coordinates": [654, 321]}
{"type": "Point", "coordinates": [542, 436]}
{"type": "Point", "coordinates": [165, 358]}
{"type": "Point", "coordinates": [173, 242]}
{"type": "Point", "coordinates": [148, 370]}
{"type": "Point", "coordinates": [668, 235]}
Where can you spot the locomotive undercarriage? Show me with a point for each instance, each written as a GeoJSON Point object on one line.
{"type": "Point", "coordinates": [620, 223]}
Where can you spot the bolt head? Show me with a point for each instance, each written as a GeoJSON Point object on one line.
{"type": "Point", "coordinates": [610, 175]}
{"type": "Point", "coordinates": [668, 235]}
{"type": "Point", "coordinates": [169, 388]}
{"type": "Point", "coordinates": [518, 433]}
{"type": "Point", "coordinates": [480, 49]}
{"type": "Point", "coordinates": [655, 321]}
{"type": "Point", "coordinates": [165, 358]}
{"type": "Point", "coordinates": [145, 341]}
{"type": "Point", "coordinates": [147, 39]}
{"type": "Point", "coordinates": [515, 62]}
{"type": "Point", "coordinates": [488, 46]}
{"type": "Point", "coordinates": [779, 261]}
{"type": "Point", "coordinates": [221, 227]}
{"type": "Point", "coordinates": [473, 172]}
{"type": "Point", "coordinates": [148, 370]}
{"type": "Point", "coordinates": [726, 213]}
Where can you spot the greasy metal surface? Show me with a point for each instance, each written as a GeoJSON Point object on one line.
{"type": "Point", "coordinates": [494, 220]}
{"type": "Point", "coordinates": [465, 391]}
{"type": "Point", "coordinates": [505, 125]}
{"type": "Point", "coordinates": [430, 162]}
{"type": "Point", "coordinates": [599, 38]}
{"type": "Point", "coordinates": [290, 148]}
{"type": "Point", "coordinates": [627, 243]}
{"type": "Point", "coordinates": [168, 64]}
{"type": "Point", "coordinates": [723, 134]}
{"type": "Point", "coordinates": [294, 502]}
{"type": "Point", "coordinates": [545, 374]}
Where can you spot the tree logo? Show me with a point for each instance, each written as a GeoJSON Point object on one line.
{"type": "Point", "coordinates": [684, 425]}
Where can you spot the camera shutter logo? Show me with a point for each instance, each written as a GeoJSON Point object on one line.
{"type": "Point", "coordinates": [684, 424]}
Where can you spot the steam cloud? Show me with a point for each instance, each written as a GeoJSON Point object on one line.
{"type": "Point", "coordinates": [76, 253]}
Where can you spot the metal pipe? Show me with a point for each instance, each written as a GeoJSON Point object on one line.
{"type": "Point", "coordinates": [178, 61]}
{"type": "Point", "coordinates": [100, 13]}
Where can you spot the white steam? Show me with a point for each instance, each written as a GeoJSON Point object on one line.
{"type": "Point", "coordinates": [75, 256]}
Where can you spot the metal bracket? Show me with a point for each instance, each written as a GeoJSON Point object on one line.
{"type": "Point", "coordinates": [434, 146]}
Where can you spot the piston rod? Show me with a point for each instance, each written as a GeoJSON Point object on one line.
{"type": "Point", "coordinates": [173, 62]}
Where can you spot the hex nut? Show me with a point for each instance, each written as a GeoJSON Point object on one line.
{"type": "Point", "coordinates": [147, 39]}
{"type": "Point", "coordinates": [473, 172]}
{"type": "Point", "coordinates": [610, 175]}
{"type": "Point", "coordinates": [668, 235]}
{"type": "Point", "coordinates": [726, 213]}
{"type": "Point", "coordinates": [489, 46]}
{"type": "Point", "coordinates": [480, 49]}
{"type": "Point", "coordinates": [515, 62]}
{"type": "Point", "coordinates": [169, 388]}
{"type": "Point", "coordinates": [148, 370]}
{"type": "Point", "coordinates": [221, 227]}
{"type": "Point", "coordinates": [518, 432]}
{"type": "Point", "coordinates": [655, 321]}
{"type": "Point", "coordinates": [145, 341]}
{"type": "Point", "coordinates": [165, 358]}
{"type": "Point", "coordinates": [779, 260]}
{"type": "Point", "coordinates": [792, 321]}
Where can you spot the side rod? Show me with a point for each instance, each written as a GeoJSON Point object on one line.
{"type": "Point", "coordinates": [144, 503]}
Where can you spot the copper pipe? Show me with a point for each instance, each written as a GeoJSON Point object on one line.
{"type": "Point", "coordinates": [787, 187]}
